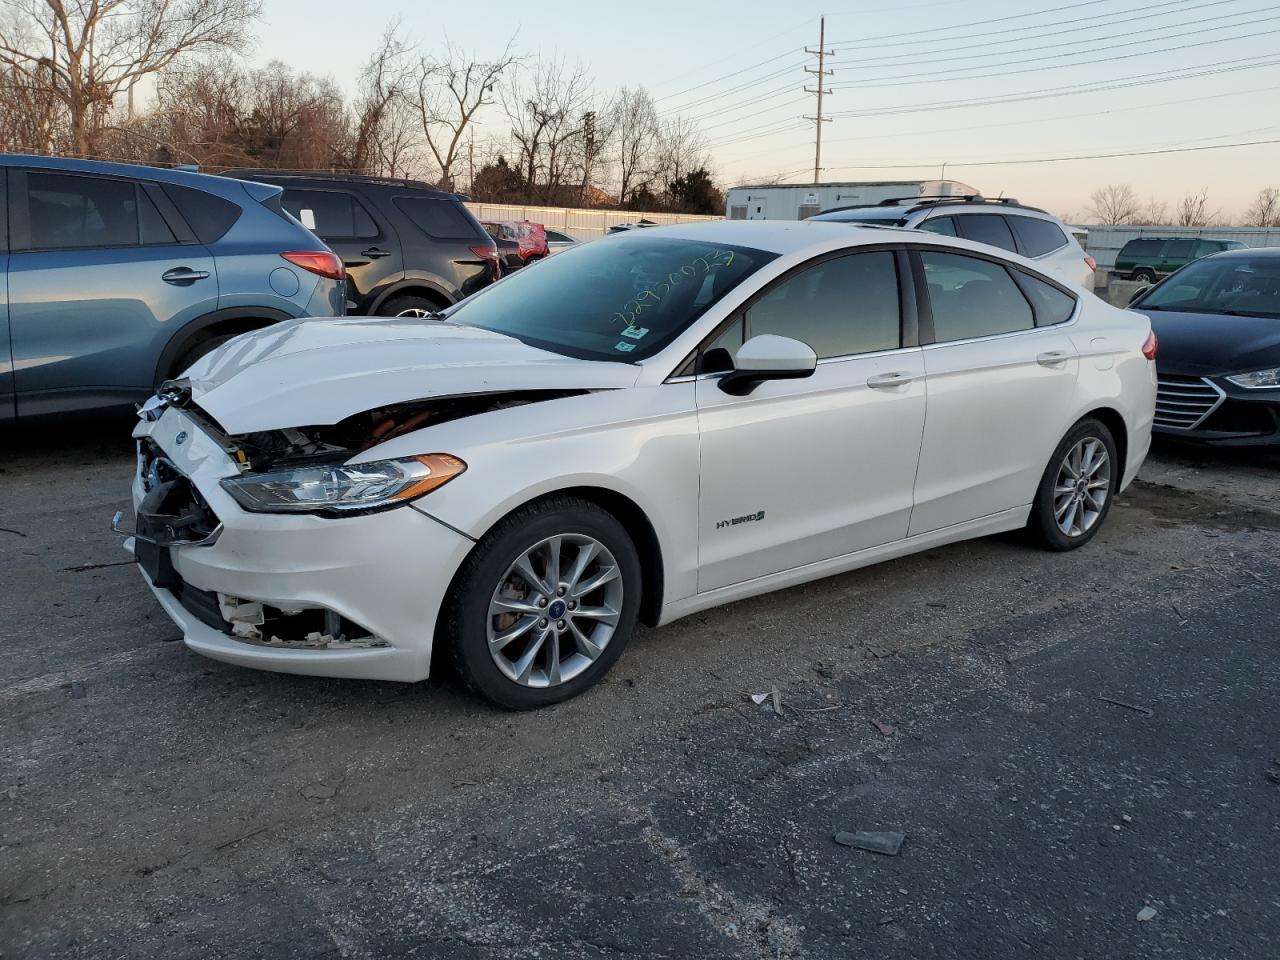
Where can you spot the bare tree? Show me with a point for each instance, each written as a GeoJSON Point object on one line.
{"type": "Point", "coordinates": [449, 91]}
{"type": "Point", "coordinates": [89, 53]}
{"type": "Point", "coordinates": [1193, 210]}
{"type": "Point", "coordinates": [1153, 213]}
{"type": "Point", "coordinates": [1115, 203]}
{"type": "Point", "coordinates": [680, 149]}
{"type": "Point", "coordinates": [29, 114]}
{"type": "Point", "coordinates": [635, 137]}
{"type": "Point", "coordinates": [383, 133]}
{"type": "Point", "coordinates": [1265, 211]}
{"type": "Point", "coordinates": [547, 108]}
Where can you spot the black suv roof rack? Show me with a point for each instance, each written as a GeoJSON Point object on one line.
{"type": "Point", "coordinates": [917, 203]}
{"type": "Point", "coordinates": [252, 173]}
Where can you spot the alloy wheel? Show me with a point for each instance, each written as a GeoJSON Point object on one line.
{"type": "Point", "coordinates": [421, 312]}
{"type": "Point", "coordinates": [1082, 487]}
{"type": "Point", "coordinates": [554, 610]}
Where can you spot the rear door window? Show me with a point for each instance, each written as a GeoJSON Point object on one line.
{"type": "Point", "coordinates": [1142, 250]}
{"type": "Point", "coordinates": [69, 211]}
{"type": "Point", "coordinates": [987, 228]}
{"type": "Point", "coordinates": [441, 219]}
{"type": "Point", "coordinates": [330, 214]}
{"type": "Point", "coordinates": [1179, 249]}
{"type": "Point", "coordinates": [844, 306]}
{"type": "Point", "coordinates": [972, 297]}
{"type": "Point", "coordinates": [1037, 237]}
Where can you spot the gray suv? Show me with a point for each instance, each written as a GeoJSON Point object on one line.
{"type": "Point", "coordinates": [119, 277]}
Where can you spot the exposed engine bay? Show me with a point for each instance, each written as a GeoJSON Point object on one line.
{"type": "Point", "coordinates": [329, 442]}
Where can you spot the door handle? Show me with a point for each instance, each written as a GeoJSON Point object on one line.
{"type": "Point", "coordinates": [883, 381]}
{"type": "Point", "coordinates": [373, 253]}
{"type": "Point", "coordinates": [181, 276]}
{"type": "Point", "coordinates": [1052, 358]}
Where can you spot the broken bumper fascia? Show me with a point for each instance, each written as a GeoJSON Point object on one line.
{"type": "Point", "coordinates": [387, 571]}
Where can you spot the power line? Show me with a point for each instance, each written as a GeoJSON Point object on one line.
{"type": "Point", "coordinates": [1033, 160]}
{"type": "Point", "coordinates": [1161, 76]}
{"type": "Point", "coordinates": [708, 83]}
{"type": "Point", "coordinates": [865, 63]}
{"type": "Point", "coordinates": [911, 79]}
{"type": "Point", "coordinates": [915, 35]}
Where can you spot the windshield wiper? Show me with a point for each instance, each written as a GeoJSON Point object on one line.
{"type": "Point", "coordinates": [1250, 313]}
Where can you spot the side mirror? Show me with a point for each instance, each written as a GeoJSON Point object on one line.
{"type": "Point", "coordinates": [768, 357]}
{"type": "Point", "coordinates": [1138, 293]}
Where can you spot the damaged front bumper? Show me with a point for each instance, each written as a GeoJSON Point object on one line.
{"type": "Point", "coordinates": [347, 597]}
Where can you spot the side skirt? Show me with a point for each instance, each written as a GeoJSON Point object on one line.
{"type": "Point", "coordinates": [1013, 519]}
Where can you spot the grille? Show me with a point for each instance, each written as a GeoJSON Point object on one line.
{"type": "Point", "coordinates": [1182, 403]}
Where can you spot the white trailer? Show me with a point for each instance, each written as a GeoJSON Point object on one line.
{"type": "Point", "coordinates": [790, 201]}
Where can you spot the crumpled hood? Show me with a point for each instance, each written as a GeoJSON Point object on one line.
{"type": "Point", "coordinates": [309, 372]}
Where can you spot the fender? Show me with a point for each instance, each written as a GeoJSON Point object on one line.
{"type": "Point", "coordinates": [182, 337]}
{"type": "Point", "coordinates": [409, 283]}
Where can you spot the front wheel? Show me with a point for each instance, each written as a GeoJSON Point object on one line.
{"type": "Point", "coordinates": [1144, 275]}
{"type": "Point", "coordinates": [1077, 488]}
{"type": "Point", "coordinates": [544, 605]}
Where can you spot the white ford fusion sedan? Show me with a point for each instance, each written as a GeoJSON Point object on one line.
{"type": "Point", "coordinates": [636, 430]}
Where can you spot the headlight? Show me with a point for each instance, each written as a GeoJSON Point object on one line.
{"type": "Point", "coordinates": [1259, 379]}
{"type": "Point", "coordinates": [336, 489]}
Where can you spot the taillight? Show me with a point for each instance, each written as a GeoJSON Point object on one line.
{"type": "Point", "coordinates": [320, 262]}
{"type": "Point", "coordinates": [490, 256]}
{"type": "Point", "coordinates": [1151, 347]}
{"type": "Point", "coordinates": [1091, 263]}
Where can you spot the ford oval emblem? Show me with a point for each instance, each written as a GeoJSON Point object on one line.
{"type": "Point", "coordinates": [181, 438]}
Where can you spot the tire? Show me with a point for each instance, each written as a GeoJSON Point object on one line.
{"type": "Point", "coordinates": [192, 353]}
{"type": "Point", "coordinates": [1052, 510]}
{"type": "Point", "coordinates": [409, 306]}
{"type": "Point", "coordinates": [1145, 275]}
{"type": "Point", "coordinates": [489, 578]}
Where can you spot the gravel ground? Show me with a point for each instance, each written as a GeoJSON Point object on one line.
{"type": "Point", "coordinates": [1065, 740]}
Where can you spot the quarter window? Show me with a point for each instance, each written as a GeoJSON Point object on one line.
{"type": "Point", "coordinates": [973, 298]}
{"type": "Point", "coordinates": [442, 219]}
{"type": "Point", "coordinates": [987, 228]}
{"type": "Point", "coordinates": [943, 225]}
{"type": "Point", "coordinates": [1037, 237]}
{"type": "Point", "coordinates": [839, 307]}
{"type": "Point", "coordinates": [1051, 304]}
{"type": "Point", "coordinates": [69, 211]}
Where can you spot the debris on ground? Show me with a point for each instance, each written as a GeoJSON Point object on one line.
{"type": "Point", "coordinates": [1146, 913]}
{"type": "Point", "coordinates": [774, 697]}
{"type": "Point", "coordinates": [319, 791]}
{"type": "Point", "coordinates": [1147, 711]}
{"type": "Point", "coordinates": [77, 690]}
{"type": "Point", "coordinates": [879, 652]}
{"type": "Point", "coordinates": [888, 842]}
{"type": "Point", "coordinates": [886, 729]}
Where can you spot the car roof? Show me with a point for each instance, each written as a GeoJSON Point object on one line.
{"type": "Point", "coordinates": [187, 178]}
{"type": "Point", "coordinates": [322, 178]}
{"type": "Point", "coordinates": [1238, 252]}
{"type": "Point", "coordinates": [813, 237]}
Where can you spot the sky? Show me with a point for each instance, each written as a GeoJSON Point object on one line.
{"type": "Point", "coordinates": [1077, 79]}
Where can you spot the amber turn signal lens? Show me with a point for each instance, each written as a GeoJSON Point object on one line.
{"type": "Point", "coordinates": [441, 468]}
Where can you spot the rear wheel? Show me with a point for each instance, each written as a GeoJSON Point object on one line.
{"type": "Point", "coordinates": [1076, 490]}
{"type": "Point", "coordinates": [409, 306]}
{"type": "Point", "coordinates": [545, 603]}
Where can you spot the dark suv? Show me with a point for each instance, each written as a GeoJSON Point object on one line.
{"type": "Point", "coordinates": [1148, 259]}
{"type": "Point", "coordinates": [409, 249]}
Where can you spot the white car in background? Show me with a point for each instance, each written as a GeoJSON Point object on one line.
{"type": "Point", "coordinates": [559, 241]}
{"type": "Point", "coordinates": [1002, 223]}
{"type": "Point", "coordinates": [638, 429]}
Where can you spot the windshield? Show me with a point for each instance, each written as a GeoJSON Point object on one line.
{"type": "Point", "coordinates": [623, 297]}
{"type": "Point", "coordinates": [1242, 285]}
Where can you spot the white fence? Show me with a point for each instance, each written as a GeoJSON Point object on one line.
{"type": "Point", "coordinates": [1105, 241]}
{"type": "Point", "coordinates": [579, 224]}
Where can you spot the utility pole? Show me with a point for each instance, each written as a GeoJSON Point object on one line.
{"type": "Point", "coordinates": [589, 145]}
{"type": "Point", "coordinates": [822, 73]}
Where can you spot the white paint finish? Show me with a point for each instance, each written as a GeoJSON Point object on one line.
{"type": "Point", "coordinates": [828, 459]}
{"type": "Point", "coordinates": [302, 372]}
{"type": "Point", "coordinates": [995, 415]}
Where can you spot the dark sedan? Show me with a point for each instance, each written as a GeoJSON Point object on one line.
{"type": "Point", "coordinates": [1218, 322]}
